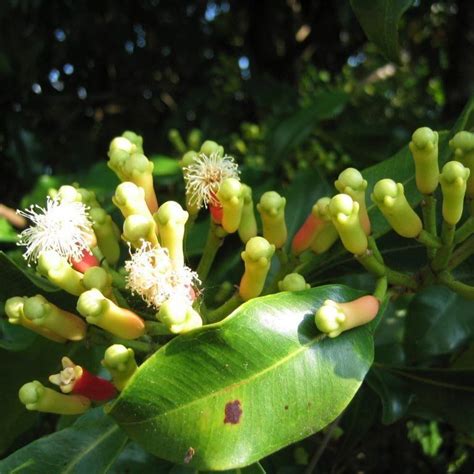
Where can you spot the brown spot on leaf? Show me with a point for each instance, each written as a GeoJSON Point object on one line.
{"type": "Point", "coordinates": [286, 407]}
{"type": "Point", "coordinates": [233, 412]}
{"type": "Point", "coordinates": [189, 455]}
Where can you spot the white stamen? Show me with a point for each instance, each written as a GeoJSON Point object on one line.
{"type": "Point", "coordinates": [61, 226]}
{"type": "Point", "coordinates": [204, 176]}
{"type": "Point", "coordinates": [150, 274]}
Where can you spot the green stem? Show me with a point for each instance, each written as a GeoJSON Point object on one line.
{"type": "Point", "coordinates": [463, 252]}
{"type": "Point", "coordinates": [465, 231]}
{"type": "Point", "coordinates": [380, 290]}
{"type": "Point", "coordinates": [224, 310]}
{"type": "Point", "coordinates": [215, 237]}
{"type": "Point", "coordinates": [461, 288]}
{"type": "Point", "coordinates": [371, 264]}
{"type": "Point", "coordinates": [100, 337]}
{"type": "Point", "coordinates": [375, 250]}
{"type": "Point", "coordinates": [429, 219]}
{"type": "Point", "coordinates": [444, 253]}
{"type": "Point", "coordinates": [154, 328]}
{"type": "Point", "coordinates": [429, 240]}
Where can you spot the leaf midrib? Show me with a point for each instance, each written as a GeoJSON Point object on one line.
{"type": "Point", "coordinates": [75, 460]}
{"type": "Point", "coordinates": [222, 390]}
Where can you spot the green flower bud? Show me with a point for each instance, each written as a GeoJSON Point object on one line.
{"type": "Point", "coordinates": [248, 223]}
{"type": "Point", "coordinates": [89, 198]}
{"type": "Point", "coordinates": [176, 140]}
{"type": "Point", "coordinates": [98, 277]}
{"type": "Point", "coordinates": [453, 180]}
{"type": "Point", "coordinates": [58, 270]}
{"type": "Point", "coordinates": [47, 315]}
{"type": "Point", "coordinates": [352, 183]}
{"type": "Point", "coordinates": [333, 318]}
{"type": "Point", "coordinates": [293, 282]}
{"type": "Point", "coordinates": [130, 199]}
{"type": "Point", "coordinates": [257, 258]}
{"type": "Point", "coordinates": [188, 158]}
{"type": "Point", "coordinates": [195, 139]}
{"type": "Point", "coordinates": [463, 146]}
{"type": "Point", "coordinates": [231, 198]}
{"type": "Point", "coordinates": [139, 170]}
{"type": "Point", "coordinates": [326, 234]}
{"type": "Point", "coordinates": [69, 194]}
{"type": "Point", "coordinates": [137, 228]}
{"type": "Point", "coordinates": [209, 147]}
{"type": "Point", "coordinates": [122, 144]}
{"type": "Point", "coordinates": [120, 362]}
{"type": "Point", "coordinates": [102, 312]}
{"type": "Point", "coordinates": [15, 314]}
{"type": "Point", "coordinates": [107, 234]}
{"type": "Point", "coordinates": [35, 396]}
{"type": "Point", "coordinates": [117, 160]}
{"type": "Point", "coordinates": [390, 199]}
{"type": "Point", "coordinates": [179, 316]}
{"type": "Point", "coordinates": [424, 148]}
{"type": "Point", "coordinates": [171, 220]}
{"type": "Point", "coordinates": [345, 217]}
{"type": "Point", "coordinates": [135, 139]}
{"type": "Point", "coordinates": [272, 211]}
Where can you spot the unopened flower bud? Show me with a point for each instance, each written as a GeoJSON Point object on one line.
{"type": "Point", "coordinates": [272, 211]}
{"type": "Point", "coordinates": [463, 146]}
{"type": "Point", "coordinates": [58, 270]}
{"type": "Point", "coordinates": [179, 316]}
{"type": "Point", "coordinates": [305, 235]}
{"type": "Point", "coordinates": [120, 362]}
{"type": "Point", "coordinates": [138, 228]}
{"type": "Point", "coordinates": [135, 139]}
{"type": "Point", "coordinates": [171, 220]}
{"type": "Point", "coordinates": [188, 158]}
{"type": "Point", "coordinates": [88, 198]}
{"type": "Point", "coordinates": [47, 315]}
{"type": "Point", "coordinates": [352, 183]}
{"type": "Point", "coordinates": [453, 180]}
{"type": "Point", "coordinates": [424, 148]}
{"type": "Point", "coordinates": [177, 140]}
{"type": "Point", "coordinates": [130, 199]}
{"type": "Point", "coordinates": [107, 235]}
{"type": "Point", "coordinates": [345, 217]}
{"type": "Point", "coordinates": [195, 138]}
{"type": "Point", "coordinates": [120, 149]}
{"type": "Point", "coordinates": [99, 278]}
{"type": "Point", "coordinates": [257, 258]}
{"type": "Point", "coordinates": [392, 203]}
{"type": "Point", "coordinates": [138, 169]}
{"type": "Point", "coordinates": [325, 234]}
{"type": "Point", "coordinates": [248, 223]}
{"type": "Point", "coordinates": [76, 380]}
{"type": "Point", "coordinates": [15, 314]}
{"type": "Point", "coordinates": [333, 318]}
{"type": "Point", "coordinates": [231, 198]}
{"type": "Point", "coordinates": [68, 193]}
{"type": "Point", "coordinates": [102, 312]}
{"type": "Point", "coordinates": [293, 282]}
{"type": "Point", "coordinates": [209, 147]}
{"type": "Point", "coordinates": [35, 396]}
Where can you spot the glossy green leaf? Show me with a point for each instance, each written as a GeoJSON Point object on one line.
{"type": "Point", "coordinates": [228, 394]}
{"type": "Point", "coordinates": [292, 131]}
{"type": "Point", "coordinates": [7, 232]}
{"type": "Point", "coordinates": [165, 165]}
{"type": "Point", "coordinates": [444, 394]}
{"type": "Point", "coordinates": [379, 20]}
{"type": "Point", "coordinates": [438, 322]}
{"type": "Point", "coordinates": [90, 445]}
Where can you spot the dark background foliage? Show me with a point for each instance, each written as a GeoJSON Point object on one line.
{"type": "Point", "coordinates": [75, 74]}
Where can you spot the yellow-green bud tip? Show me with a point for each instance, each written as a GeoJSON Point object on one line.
{"type": "Point", "coordinates": [293, 282]}
{"type": "Point", "coordinates": [171, 211]}
{"type": "Point", "coordinates": [14, 309]}
{"type": "Point", "coordinates": [229, 189]}
{"type": "Point", "coordinates": [453, 171]}
{"type": "Point", "coordinates": [258, 248]}
{"type": "Point", "coordinates": [209, 147]}
{"type": "Point", "coordinates": [35, 307]}
{"type": "Point", "coordinates": [424, 138]}
{"type": "Point", "coordinates": [350, 178]}
{"type": "Point", "coordinates": [117, 357]}
{"type": "Point", "coordinates": [30, 393]}
{"type": "Point", "coordinates": [330, 318]}
{"type": "Point", "coordinates": [91, 303]}
{"type": "Point", "coordinates": [385, 188]}
{"type": "Point", "coordinates": [96, 277]}
{"type": "Point", "coordinates": [271, 203]}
